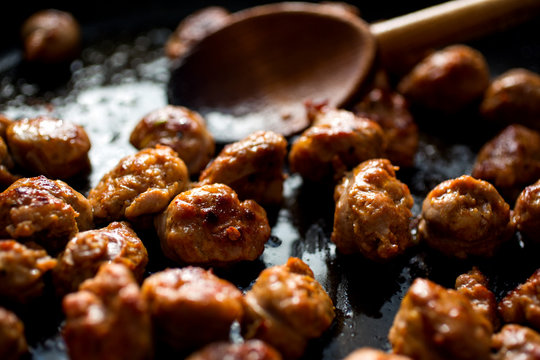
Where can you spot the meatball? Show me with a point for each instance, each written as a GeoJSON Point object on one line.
{"type": "Point", "coordinates": [391, 111]}
{"type": "Point", "coordinates": [435, 323]}
{"type": "Point", "coordinates": [49, 146]}
{"type": "Point", "coordinates": [179, 128]}
{"type": "Point", "coordinates": [510, 161]}
{"type": "Point", "coordinates": [286, 307]}
{"type": "Point", "coordinates": [194, 28]}
{"type": "Point", "coordinates": [191, 307]}
{"type": "Point", "coordinates": [6, 164]}
{"type": "Point", "coordinates": [373, 212]}
{"type": "Point", "coordinates": [46, 211]}
{"type": "Point", "coordinates": [249, 350]}
{"type": "Point", "coordinates": [513, 97]}
{"type": "Point", "coordinates": [373, 354]}
{"type": "Point", "coordinates": [526, 215]}
{"type": "Point", "coordinates": [515, 342]}
{"type": "Point", "coordinates": [208, 225]}
{"type": "Point", "coordinates": [4, 124]}
{"type": "Point", "coordinates": [88, 250]}
{"type": "Point", "coordinates": [12, 340]}
{"type": "Point", "coordinates": [108, 318]}
{"type": "Point", "coordinates": [51, 36]}
{"type": "Point", "coordinates": [522, 305]}
{"type": "Point", "coordinates": [253, 167]}
{"type": "Point", "coordinates": [140, 184]}
{"type": "Point", "coordinates": [447, 80]}
{"type": "Point", "coordinates": [337, 141]}
{"type": "Point", "coordinates": [21, 271]}
{"type": "Point", "coordinates": [465, 216]}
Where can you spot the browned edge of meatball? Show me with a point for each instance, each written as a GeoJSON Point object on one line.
{"type": "Point", "coordinates": [13, 343]}
{"type": "Point", "coordinates": [526, 214]}
{"type": "Point", "coordinates": [248, 350]}
{"type": "Point", "coordinates": [367, 353]}
{"type": "Point", "coordinates": [515, 342]}
{"type": "Point", "coordinates": [522, 304]}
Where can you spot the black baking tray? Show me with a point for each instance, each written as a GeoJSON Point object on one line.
{"type": "Point", "coordinates": [122, 74]}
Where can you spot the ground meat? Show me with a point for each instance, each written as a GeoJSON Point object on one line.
{"type": "Point", "coordinates": [140, 184]}
{"type": "Point", "coordinates": [447, 80]}
{"type": "Point", "coordinates": [522, 305]}
{"type": "Point", "coordinates": [337, 141]}
{"type": "Point", "coordinates": [373, 212]}
{"type": "Point", "coordinates": [526, 215]}
{"type": "Point", "coordinates": [515, 342]}
{"type": "Point", "coordinates": [194, 28]}
{"type": "Point", "coordinates": [179, 128]}
{"type": "Point", "coordinates": [204, 306]}
{"type": "Point", "coordinates": [373, 354]}
{"type": "Point", "coordinates": [286, 307]}
{"type": "Point", "coordinates": [88, 250]}
{"type": "Point", "coordinates": [513, 97]}
{"type": "Point", "coordinates": [6, 164]}
{"type": "Point", "coordinates": [253, 167]}
{"type": "Point", "coordinates": [510, 161]}
{"type": "Point", "coordinates": [391, 111]}
{"type": "Point", "coordinates": [12, 340]}
{"type": "Point", "coordinates": [49, 146]}
{"type": "Point", "coordinates": [249, 350]}
{"type": "Point", "coordinates": [435, 323]}
{"type": "Point", "coordinates": [46, 211]}
{"type": "Point", "coordinates": [208, 225]}
{"type": "Point", "coordinates": [465, 216]}
{"type": "Point", "coordinates": [474, 286]}
{"type": "Point", "coordinates": [108, 318]}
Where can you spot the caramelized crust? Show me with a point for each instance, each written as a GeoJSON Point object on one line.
{"type": "Point", "coordinates": [12, 340]}
{"type": "Point", "coordinates": [249, 350]}
{"type": "Point", "coordinates": [522, 305]}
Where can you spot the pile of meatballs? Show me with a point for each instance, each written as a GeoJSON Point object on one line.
{"type": "Point", "coordinates": [209, 210]}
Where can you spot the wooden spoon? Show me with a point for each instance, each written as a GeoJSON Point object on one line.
{"type": "Point", "coordinates": [257, 72]}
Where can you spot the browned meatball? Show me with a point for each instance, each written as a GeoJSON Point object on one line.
{"type": "Point", "coordinates": [108, 318]}
{"type": "Point", "coordinates": [515, 342]}
{"type": "Point", "coordinates": [249, 350]}
{"type": "Point", "coordinates": [49, 146]}
{"type": "Point", "coordinates": [337, 141]}
{"type": "Point", "coordinates": [253, 167]}
{"type": "Point", "coordinates": [526, 215]}
{"type": "Point", "coordinates": [522, 305]}
{"type": "Point", "coordinates": [88, 250]}
{"type": "Point", "coordinates": [510, 161]}
{"type": "Point", "coordinates": [140, 184]}
{"type": "Point", "coordinates": [373, 212]}
{"type": "Point", "coordinates": [465, 216]}
{"type": "Point", "coordinates": [12, 340]}
{"type": "Point", "coordinates": [4, 124]}
{"type": "Point", "coordinates": [21, 271]}
{"type": "Point", "coordinates": [51, 36]}
{"type": "Point", "coordinates": [286, 307]}
{"type": "Point", "coordinates": [208, 225]}
{"type": "Point", "coordinates": [194, 28]}
{"type": "Point", "coordinates": [373, 354]}
{"type": "Point", "coordinates": [6, 164]}
{"type": "Point", "coordinates": [513, 97]}
{"type": "Point", "coordinates": [191, 307]}
{"type": "Point", "coordinates": [435, 323]}
{"type": "Point", "coordinates": [179, 128]}
{"type": "Point", "coordinates": [447, 80]}
{"type": "Point", "coordinates": [391, 111]}
{"type": "Point", "coordinates": [46, 211]}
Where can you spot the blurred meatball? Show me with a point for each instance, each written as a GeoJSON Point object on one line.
{"type": "Point", "coordinates": [434, 323]}
{"type": "Point", "coordinates": [179, 128]}
{"type": "Point", "coordinates": [46, 211]}
{"type": "Point", "coordinates": [108, 319]}
{"type": "Point", "coordinates": [191, 307]}
{"type": "Point", "coordinates": [522, 305]}
{"type": "Point", "coordinates": [51, 36]}
{"type": "Point", "coordinates": [4, 124]}
{"type": "Point", "coordinates": [515, 342]}
{"type": "Point", "coordinates": [21, 271]}
{"type": "Point", "coordinates": [140, 184]}
{"type": "Point", "coordinates": [447, 80]}
{"type": "Point", "coordinates": [6, 164]}
{"type": "Point", "coordinates": [526, 215]}
{"type": "Point", "coordinates": [510, 161]}
{"type": "Point", "coordinates": [513, 97]}
{"type": "Point", "coordinates": [373, 212]}
{"type": "Point", "coordinates": [465, 216]}
{"type": "Point", "coordinates": [373, 354]}
{"type": "Point", "coordinates": [286, 307]}
{"type": "Point", "coordinates": [48, 146]}
{"type": "Point", "coordinates": [88, 250]}
{"type": "Point", "coordinates": [208, 225]}
{"type": "Point", "coordinates": [337, 141]}
{"type": "Point", "coordinates": [12, 340]}
{"type": "Point", "coordinates": [253, 167]}
{"type": "Point", "coordinates": [194, 28]}
{"type": "Point", "coordinates": [248, 350]}
{"type": "Point", "coordinates": [391, 111]}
